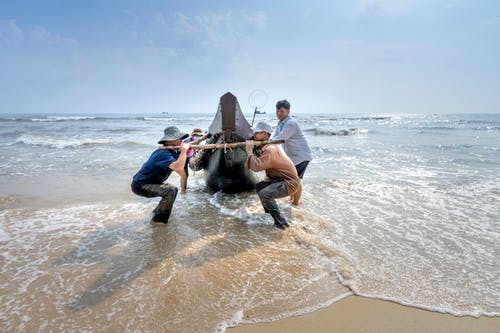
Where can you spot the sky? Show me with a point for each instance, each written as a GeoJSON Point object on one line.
{"type": "Point", "coordinates": [359, 56]}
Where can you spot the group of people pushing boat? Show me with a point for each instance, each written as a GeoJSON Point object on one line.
{"type": "Point", "coordinates": [284, 168]}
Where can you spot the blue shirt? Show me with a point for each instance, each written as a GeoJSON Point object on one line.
{"type": "Point", "coordinates": [295, 145]}
{"type": "Point", "coordinates": [156, 169]}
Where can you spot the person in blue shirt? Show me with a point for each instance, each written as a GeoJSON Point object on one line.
{"type": "Point", "coordinates": [149, 181]}
{"type": "Point", "coordinates": [295, 145]}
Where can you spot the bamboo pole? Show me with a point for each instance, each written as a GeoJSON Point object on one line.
{"type": "Point", "coordinates": [225, 145]}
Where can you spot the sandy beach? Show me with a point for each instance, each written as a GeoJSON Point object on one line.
{"type": "Point", "coordinates": [360, 314]}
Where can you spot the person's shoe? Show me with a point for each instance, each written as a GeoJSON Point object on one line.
{"type": "Point", "coordinates": [279, 221]}
{"type": "Point", "coordinates": [157, 223]}
{"type": "Point", "coordinates": [279, 225]}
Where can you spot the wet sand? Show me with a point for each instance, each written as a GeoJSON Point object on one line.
{"type": "Point", "coordinates": [356, 314]}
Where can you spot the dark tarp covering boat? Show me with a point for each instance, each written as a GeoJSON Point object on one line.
{"type": "Point", "coordinates": [224, 168]}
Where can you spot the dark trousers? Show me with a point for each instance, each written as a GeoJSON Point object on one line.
{"type": "Point", "coordinates": [168, 193]}
{"type": "Point", "coordinates": [301, 168]}
{"type": "Point", "coordinates": [268, 192]}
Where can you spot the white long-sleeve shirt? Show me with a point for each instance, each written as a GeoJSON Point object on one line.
{"type": "Point", "coordinates": [295, 145]}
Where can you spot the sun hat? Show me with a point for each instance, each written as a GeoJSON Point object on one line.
{"type": "Point", "coordinates": [263, 127]}
{"type": "Point", "coordinates": [172, 133]}
{"type": "Point", "coordinates": [197, 132]}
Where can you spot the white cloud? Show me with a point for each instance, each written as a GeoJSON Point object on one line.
{"type": "Point", "coordinates": [453, 3]}
{"type": "Point", "coordinates": [221, 30]}
{"type": "Point", "coordinates": [387, 7]}
{"type": "Point", "coordinates": [40, 34]}
{"type": "Point", "coordinates": [10, 31]}
{"type": "Point", "coordinates": [491, 22]}
{"type": "Point", "coordinates": [159, 18]}
{"type": "Point", "coordinates": [259, 20]}
{"type": "Point", "coordinates": [38, 52]}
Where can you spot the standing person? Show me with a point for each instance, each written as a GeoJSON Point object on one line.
{"type": "Point", "coordinates": [295, 144]}
{"type": "Point", "coordinates": [281, 176]}
{"type": "Point", "coordinates": [195, 135]}
{"type": "Point", "coordinates": [149, 180]}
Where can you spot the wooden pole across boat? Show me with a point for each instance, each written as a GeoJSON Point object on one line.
{"type": "Point", "coordinates": [225, 145]}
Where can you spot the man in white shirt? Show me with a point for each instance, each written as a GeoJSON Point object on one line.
{"type": "Point", "coordinates": [295, 145]}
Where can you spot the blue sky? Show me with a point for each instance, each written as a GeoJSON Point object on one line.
{"type": "Point", "coordinates": [365, 56]}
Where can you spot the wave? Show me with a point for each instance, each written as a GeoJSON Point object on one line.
{"type": "Point", "coordinates": [367, 118]}
{"type": "Point", "coordinates": [72, 118]}
{"type": "Point", "coordinates": [342, 132]}
{"type": "Point", "coordinates": [178, 119]}
{"type": "Point", "coordinates": [11, 133]}
{"type": "Point", "coordinates": [102, 118]}
{"type": "Point", "coordinates": [43, 141]}
{"type": "Point", "coordinates": [53, 119]}
{"type": "Point", "coordinates": [438, 128]}
{"type": "Point", "coordinates": [328, 118]}
{"type": "Point", "coordinates": [475, 121]}
{"type": "Point", "coordinates": [490, 128]}
{"type": "Point", "coordinates": [119, 130]}
{"type": "Point", "coordinates": [4, 235]}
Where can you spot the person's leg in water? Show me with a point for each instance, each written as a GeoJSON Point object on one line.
{"type": "Point", "coordinates": [301, 169]}
{"type": "Point", "coordinates": [168, 192]}
{"type": "Point", "coordinates": [267, 195]}
{"type": "Point", "coordinates": [164, 208]}
{"type": "Point", "coordinates": [184, 178]}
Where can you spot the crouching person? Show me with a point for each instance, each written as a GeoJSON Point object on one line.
{"type": "Point", "coordinates": [149, 180]}
{"type": "Point", "coordinates": [281, 176]}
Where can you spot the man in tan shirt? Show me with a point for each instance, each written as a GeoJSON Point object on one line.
{"type": "Point", "coordinates": [281, 176]}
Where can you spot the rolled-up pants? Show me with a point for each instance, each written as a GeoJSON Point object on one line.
{"type": "Point", "coordinates": [168, 193]}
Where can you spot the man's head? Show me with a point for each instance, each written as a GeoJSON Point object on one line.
{"type": "Point", "coordinates": [262, 131]}
{"type": "Point", "coordinates": [172, 136]}
{"type": "Point", "coordinates": [282, 109]}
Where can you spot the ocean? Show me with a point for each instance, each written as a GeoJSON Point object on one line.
{"type": "Point", "coordinates": [397, 207]}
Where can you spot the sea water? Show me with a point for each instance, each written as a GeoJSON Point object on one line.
{"type": "Point", "coordinates": [398, 207]}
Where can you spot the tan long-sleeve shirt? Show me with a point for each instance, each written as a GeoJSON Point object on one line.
{"type": "Point", "coordinates": [277, 166]}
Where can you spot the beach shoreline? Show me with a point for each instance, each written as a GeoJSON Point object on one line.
{"type": "Point", "coordinates": [361, 314]}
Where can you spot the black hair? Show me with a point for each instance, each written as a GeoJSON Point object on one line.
{"type": "Point", "coordinates": [283, 104]}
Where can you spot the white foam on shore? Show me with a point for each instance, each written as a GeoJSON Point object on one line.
{"type": "Point", "coordinates": [475, 313]}
{"type": "Point", "coordinates": [225, 324]}
{"type": "Point", "coordinates": [404, 226]}
{"type": "Point", "coordinates": [38, 241]}
{"type": "Point", "coordinates": [4, 236]}
{"type": "Point", "coordinates": [104, 230]}
{"type": "Point", "coordinates": [237, 320]}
